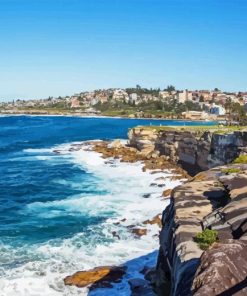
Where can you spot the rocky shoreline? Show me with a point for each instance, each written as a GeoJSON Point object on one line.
{"type": "Point", "coordinates": [106, 276]}
{"type": "Point", "coordinates": [214, 199]}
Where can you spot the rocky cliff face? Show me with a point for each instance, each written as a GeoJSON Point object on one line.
{"type": "Point", "coordinates": [195, 150]}
{"type": "Point", "coordinates": [216, 200]}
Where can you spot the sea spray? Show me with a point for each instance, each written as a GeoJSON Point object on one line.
{"type": "Point", "coordinates": [121, 188]}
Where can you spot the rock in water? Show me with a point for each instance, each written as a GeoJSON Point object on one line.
{"type": "Point", "coordinates": [98, 277]}
{"type": "Point", "coordinates": [167, 193]}
{"type": "Point", "coordinates": [154, 220]}
{"type": "Point", "coordinates": [139, 231]}
{"type": "Point", "coordinates": [140, 287]}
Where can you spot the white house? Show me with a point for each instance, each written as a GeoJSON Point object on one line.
{"type": "Point", "coordinates": [217, 110]}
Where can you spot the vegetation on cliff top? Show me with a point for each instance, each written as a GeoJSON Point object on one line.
{"type": "Point", "coordinates": [241, 159]}
{"type": "Point", "coordinates": [206, 238]}
{"type": "Point", "coordinates": [231, 171]}
{"type": "Point", "coordinates": [199, 128]}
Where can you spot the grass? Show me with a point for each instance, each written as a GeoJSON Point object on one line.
{"type": "Point", "coordinates": [199, 128]}
{"type": "Point", "coordinates": [241, 159]}
{"type": "Point", "coordinates": [157, 128]}
{"type": "Point", "coordinates": [226, 129]}
{"type": "Point", "coordinates": [206, 238]}
{"type": "Point", "coordinates": [179, 128]}
{"type": "Point", "coordinates": [231, 171]}
{"type": "Point", "coordinates": [134, 111]}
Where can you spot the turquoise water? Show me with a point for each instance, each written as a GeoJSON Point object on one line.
{"type": "Point", "coordinates": [56, 206]}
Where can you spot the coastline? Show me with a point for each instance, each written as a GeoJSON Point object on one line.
{"type": "Point", "coordinates": [119, 190]}
{"type": "Point", "coordinates": [209, 123]}
{"type": "Point", "coordinates": [127, 237]}
{"type": "Point", "coordinates": [162, 181]}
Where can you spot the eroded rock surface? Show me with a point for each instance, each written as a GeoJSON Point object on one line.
{"type": "Point", "coordinates": [151, 160]}
{"type": "Point", "coordinates": [195, 150]}
{"type": "Point", "coordinates": [216, 200]}
{"type": "Point", "coordinates": [223, 270]}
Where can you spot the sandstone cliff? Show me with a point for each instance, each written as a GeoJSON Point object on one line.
{"type": "Point", "coordinates": [215, 200]}
{"type": "Point", "coordinates": [195, 149]}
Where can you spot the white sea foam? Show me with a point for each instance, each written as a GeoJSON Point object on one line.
{"type": "Point", "coordinates": [37, 150]}
{"type": "Point", "coordinates": [126, 185]}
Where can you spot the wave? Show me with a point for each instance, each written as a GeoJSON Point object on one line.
{"type": "Point", "coordinates": [38, 150]}
{"type": "Point", "coordinates": [40, 268]}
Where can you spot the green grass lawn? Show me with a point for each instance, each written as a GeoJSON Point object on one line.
{"type": "Point", "coordinates": [200, 128]}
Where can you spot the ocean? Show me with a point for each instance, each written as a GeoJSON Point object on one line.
{"type": "Point", "coordinates": [58, 212]}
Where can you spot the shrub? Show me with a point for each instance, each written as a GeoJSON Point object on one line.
{"type": "Point", "coordinates": [206, 238]}
{"type": "Point", "coordinates": [231, 171]}
{"type": "Point", "coordinates": [241, 159]}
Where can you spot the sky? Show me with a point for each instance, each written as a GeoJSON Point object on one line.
{"type": "Point", "coordinates": [61, 47]}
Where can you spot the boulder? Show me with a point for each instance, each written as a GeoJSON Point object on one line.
{"type": "Point", "coordinates": [222, 270]}
{"type": "Point", "coordinates": [154, 220]}
{"type": "Point", "coordinates": [116, 144]}
{"type": "Point", "coordinates": [98, 277]}
{"type": "Point", "coordinates": [139, 231]}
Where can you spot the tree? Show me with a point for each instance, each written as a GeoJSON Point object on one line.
{"type": "Point", "coordinates": [170, 88]}
{"type": "Point", "coordinates": [201, 98]}
{"type": "Point", "coordinates": [235, 112]}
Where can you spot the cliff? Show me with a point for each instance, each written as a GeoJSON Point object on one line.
{"type": "Point", "coordinates": [203, 238]}
{"type": "Point", "coordinates": [213, 200]}
{"type": "Point", "coordinates": [194, 148]}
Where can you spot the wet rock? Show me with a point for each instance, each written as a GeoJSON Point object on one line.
{"type": "Point", "coordinates": [151, 275]}
{"type": "Point", "coordinates": [167, 193]}
{"type": "Point", "coordinates": [140, 287]}
{"type": "Point", "coordinates": [152, 160]}
{"type": "Point", "coordinates": [98, 277]}
{"type": "Point", "coordinates": [154, 220]}
{"type": "Point", "coordinates": [56, 151]}
{"type": "Point", "coordinates": [147, 195]}
{"type": "Point", "coordinates": [139, 231]}
{"type": "Point", "coordinates": [114, 233]}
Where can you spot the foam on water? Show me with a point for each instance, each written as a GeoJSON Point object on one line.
{"type": "Point", "coordinates": [42, 267]}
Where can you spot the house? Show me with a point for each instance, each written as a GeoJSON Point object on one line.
{"type": "Point", "coordinates": [133, 99]}
{"type": "Point", "coordinates": [120, 95]}
{"type": "Point", "coordinates": [206, 94]}
{"type": "Point", "coordinates": [164, 94]}
{"type": "Point", "coordinates": [184, 96]}
{"type": "Point", "coordinates": [217, 110]}
{"type": "Point", "coordinates": [75, 103]}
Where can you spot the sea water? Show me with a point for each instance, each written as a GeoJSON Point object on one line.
{"type": "Point", "coordinates": [58, 211]}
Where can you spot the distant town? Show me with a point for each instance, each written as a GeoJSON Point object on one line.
{"type": "Point", "coordinates": [139, 102]}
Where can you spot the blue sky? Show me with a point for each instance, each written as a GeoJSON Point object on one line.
{"type": "Point", "coordinates": [60, 47]}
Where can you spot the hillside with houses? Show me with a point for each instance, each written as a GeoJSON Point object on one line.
{"type": "Point", "coordinates": [139, 102]}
